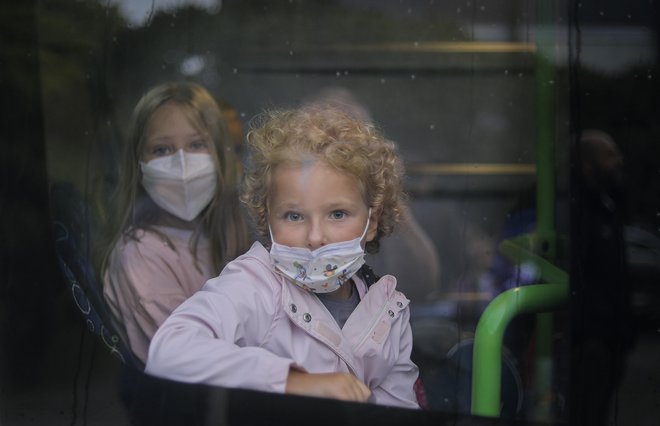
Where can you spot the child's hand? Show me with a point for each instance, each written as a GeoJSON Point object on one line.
{"type": "Point", "coordinates": [342, 386]}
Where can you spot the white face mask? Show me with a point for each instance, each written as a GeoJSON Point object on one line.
{"type": "Point", "coordinates": [181, 184]}
{"type": "Point", "coordinates": [323, 270]}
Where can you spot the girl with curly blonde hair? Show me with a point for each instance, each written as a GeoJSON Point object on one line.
{"type": "Point", "coordinates": [301, 313]}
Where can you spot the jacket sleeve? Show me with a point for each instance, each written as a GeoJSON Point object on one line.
{"type": "Point", "coordinates": [214, 337]}
{"type": "Point", "coordinates": [397, 388]}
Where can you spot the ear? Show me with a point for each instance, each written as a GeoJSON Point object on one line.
{"type": "Point", "coordinates": [372, 230]}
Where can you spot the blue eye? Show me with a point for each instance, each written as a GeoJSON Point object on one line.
{"type": "Point", "coordinates": [293, 216]}
{"type": "Point", "coordinates": [161, 150]}
{"type": "Point", "coordinates": [197, 145]}
{"type": "Point", "coordinates": [338, 214]}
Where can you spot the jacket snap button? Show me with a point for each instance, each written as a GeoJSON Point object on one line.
{"type": "Point", "coordinates": [307, 317]}
{"type": "Point", "coordinates": [391, 313]}
{"type": "Point", "coordinates": [399, 304]}
{"type": "Point", "coordinates": [294, 309]}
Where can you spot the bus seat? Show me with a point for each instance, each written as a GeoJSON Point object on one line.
{"type": "Point", "coordinates": [72, 228]}
{"type": "Point", "coordinates": [449, 382]}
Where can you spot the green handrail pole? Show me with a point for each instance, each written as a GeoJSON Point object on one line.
{"type": "Point", "coordinates": [487, 357]}
{"type": "Point", "coordinates": [545, 129]}
{"type": "Point", "coordinates": [540, 249]}
{"type": "Point", "coordinates": [543, 367]}
{"type": "Point", "coordinates": [545, 191]}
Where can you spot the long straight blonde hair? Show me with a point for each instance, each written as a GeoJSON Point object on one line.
{"type": "Point", "coordinates": [222, 220]}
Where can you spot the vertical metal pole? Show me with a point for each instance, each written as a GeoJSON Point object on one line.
{"type": "Point", "coordinates": [545, 195]}
{"type": "Point", "coordinates": [545, 130]}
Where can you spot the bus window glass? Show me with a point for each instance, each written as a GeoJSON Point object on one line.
{"type": "Point", "coordinates": [527, 135]}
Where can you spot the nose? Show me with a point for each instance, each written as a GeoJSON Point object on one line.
{"type": "Point", "coordinates": [315, 235]}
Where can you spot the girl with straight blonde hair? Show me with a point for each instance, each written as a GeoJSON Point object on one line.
{"type": "Point", "coordinates": [177, 219]}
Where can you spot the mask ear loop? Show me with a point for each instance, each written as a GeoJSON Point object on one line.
{"type": "Point", "coordinates": [270, 232]}
{"type": "Point", "coordinates": [364, 233]}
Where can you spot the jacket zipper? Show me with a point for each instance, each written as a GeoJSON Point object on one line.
{"type": "Point", "coordinates": [366, 332]}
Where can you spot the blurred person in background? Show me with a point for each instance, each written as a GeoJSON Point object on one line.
{"type": "Point", "coordinates": [177, 219]}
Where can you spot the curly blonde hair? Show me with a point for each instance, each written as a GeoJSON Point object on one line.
{"type": "Point", "coordinates": [330, 135]}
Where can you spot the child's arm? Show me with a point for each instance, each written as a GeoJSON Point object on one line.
{"type": "Point", "coordinates": [342, 386]}
{"type": "Point", "coordinates": [215, 336]}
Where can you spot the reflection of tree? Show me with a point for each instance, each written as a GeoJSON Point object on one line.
{"type": "Point", "coordinates": [74, 41]}
{"type": "Point", "coordinates": [71, 36]}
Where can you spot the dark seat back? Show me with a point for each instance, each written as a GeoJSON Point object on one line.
{"type": "Point", "coordinates": [73, 226]}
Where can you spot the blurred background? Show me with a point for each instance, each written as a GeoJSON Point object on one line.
{"type": "Point", "coordinates": [479, 96]}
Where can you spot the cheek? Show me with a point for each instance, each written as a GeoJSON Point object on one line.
{"type": "Point", "coordinates": [288, 236]}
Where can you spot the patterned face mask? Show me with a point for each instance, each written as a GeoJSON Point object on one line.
{"type": "Point", "coordinates": [182, 183]}
{"type": "Point", "coordinates": [323, 270]}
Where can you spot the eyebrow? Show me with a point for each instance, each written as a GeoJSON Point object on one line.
{"type": "Point", "coordinates": [284, 206]}
{"type": "Point", "coordinates": [168, 137]}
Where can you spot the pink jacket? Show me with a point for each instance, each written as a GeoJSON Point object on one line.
{"type": "Point", "coordinates": [246, 327]}
{"type": "Point", "coordinates": [146, 279]}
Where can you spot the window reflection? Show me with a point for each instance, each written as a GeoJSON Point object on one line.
{"type": "Point", "coordinates": [457, 86]}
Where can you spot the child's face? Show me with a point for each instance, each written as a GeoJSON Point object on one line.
{"type": "Point", "coordinates": [313, 204]}
{"type": "Point", "coordinates": [170, 130]}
